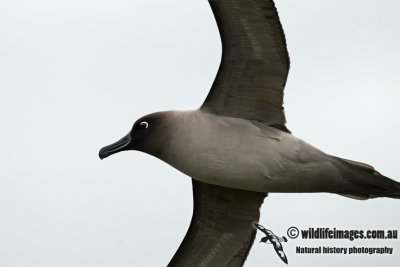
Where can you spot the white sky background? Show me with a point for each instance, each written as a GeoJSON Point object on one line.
{"type": "Point", "coordinates": [75, 75]}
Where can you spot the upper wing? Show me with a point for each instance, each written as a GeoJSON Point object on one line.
{"type": "Point", "coordinates": [221, 231]}
{"type": "Point", "coordinates": [260, 227]}
{"type": "Point", "coordinates": [254, 65]}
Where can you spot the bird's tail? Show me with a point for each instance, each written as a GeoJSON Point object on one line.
{"type": "Point", "coordinates": [367, 182]}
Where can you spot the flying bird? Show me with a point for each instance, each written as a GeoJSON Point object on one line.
{"type": "Point", "coordinates": [236, 146]}
{"type": "Point", "coordinates": [274, 240]}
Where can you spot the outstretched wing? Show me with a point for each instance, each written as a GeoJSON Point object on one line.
{"type": "Point", "coordinates": [279, 250]}
{"type": "Point", "coordinates": [260, 227]}
{"type": "Point", "coordinates": [254, 65]}
{"type": "Point", "coordinates": [221, 231]}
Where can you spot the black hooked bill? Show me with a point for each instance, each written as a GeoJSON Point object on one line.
{"type": "Point", "coordinates": [123, 144]}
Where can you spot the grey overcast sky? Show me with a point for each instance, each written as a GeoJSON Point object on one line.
{"type": "Point", "coordinates": [76, 74]}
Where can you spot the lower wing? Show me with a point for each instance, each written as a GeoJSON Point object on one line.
{"type": "Point", "coordinates": [221, 232]}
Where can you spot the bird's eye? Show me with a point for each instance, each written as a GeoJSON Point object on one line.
{"type": "Point", "coordinates": [144, 125]}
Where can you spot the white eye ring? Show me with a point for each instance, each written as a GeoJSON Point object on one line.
{"type": "Point", "coordinates": [144, 125]}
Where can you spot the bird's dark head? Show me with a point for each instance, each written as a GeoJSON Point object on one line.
{"type": "Point", "coordinates": [149, 134]}
{"type": "Point", "coordinates": [264, 239]}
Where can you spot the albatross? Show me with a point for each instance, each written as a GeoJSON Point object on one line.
{"type": "Point", "coordinates": [236, 146]}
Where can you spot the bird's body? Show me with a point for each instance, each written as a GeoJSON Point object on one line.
{"type": "Point", "coordinates": [271, 238]}
{"type": "Point", "coordinates": [250, 155]}
{"type": "Point", "coordinates": [236, 146]}
{"type": "Point", "coordinates": [241, 153]}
